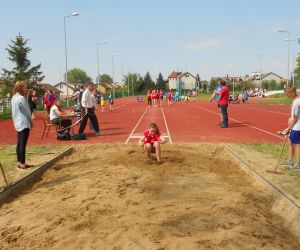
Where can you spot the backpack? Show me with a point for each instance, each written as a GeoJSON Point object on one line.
{"type": "Point", "coordinates": [81, 136]}
{"type": "Point", "coordinates": [63, 136]}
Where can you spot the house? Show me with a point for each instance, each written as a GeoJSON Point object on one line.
{"type": "Point", "coordinates": [47, 86]}
{"type": "Point", "coordinates": [106, 87]}
{"type": "Point", "coordinates": [62, 87]}
{"type": "Point", "coordinates": [179, 81]}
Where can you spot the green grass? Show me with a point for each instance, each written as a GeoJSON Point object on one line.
{"type": "Point", "coordinates": [8, 154]}
{"type": "Point", "coordinates": [203, 97]}
{"type": "Point", "coordinates": [269, 101]}
{"type": "Point", "coordinates": [274, 151]}
{"type": "Point", "coordinates": [5, 115]}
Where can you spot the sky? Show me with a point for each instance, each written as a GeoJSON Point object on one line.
{"type": "Point", "coordinates": [209, 38]}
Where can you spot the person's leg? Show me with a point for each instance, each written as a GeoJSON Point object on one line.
{"type": "Point", "coordinates": [291, 152]}
{"type": "Point", "coordinates": [24, 134]}
{"type": "Point", "coordinates": [224, 115]}
{"type": "Point", "coordinates": [298, 155]}
{"type": "Point", "coordinates": [18, 149]}
{"type": "Point", "coordinates": [83, 123]}
{"type": "Point", "coordinates": [148, 148]}
{"type": "Point", "coordinates": [156, 145]}
{"type": "Point", "coordinates": [94, 120]}
{"type": "Point", "coordinates": [66, 123]}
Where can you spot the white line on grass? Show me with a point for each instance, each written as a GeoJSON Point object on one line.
{"type": "Point", "coordinates": [136, 126]}
{"type": "Point", "coordinates": [168, 132]}
{"type": "Point", "coordinates": [259, 129]}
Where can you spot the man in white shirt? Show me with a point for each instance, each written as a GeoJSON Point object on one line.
{"type": "Point", "coordinates": [88, 109]}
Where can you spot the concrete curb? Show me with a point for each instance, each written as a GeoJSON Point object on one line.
{"type": "Point", "coordinates": [17, 186]}
{"type": "Point", "coordinates": [286, 205]}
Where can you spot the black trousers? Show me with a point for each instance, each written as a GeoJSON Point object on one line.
{"type": "Point", "coordinates": [149, 102]}
{"type": "Point", "coordinates": [93, 118]}
{"type": "Point", "coordinates": [64, 123]}
{"type": "Point", "coordinates": [224, 114]}
{"type": "Point", "coordinates": [21, 146]}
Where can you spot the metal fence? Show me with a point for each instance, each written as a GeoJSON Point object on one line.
{"type": "Point", "coordinates": [5, 104]}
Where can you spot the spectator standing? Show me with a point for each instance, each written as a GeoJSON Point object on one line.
{"type": "Point", "coordinates": [30, 100]}
{"type": "Point", "coordinates": [21, 116]}
{"type": "Point", "coordinates": [111, 101]}
{"type": "Point", "coordinates": [88, 111]}
{"type": "Point", "coordinates": [223, 101]}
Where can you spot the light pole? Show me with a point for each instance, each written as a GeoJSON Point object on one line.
{"type": "Point", "coordinates": [66, 53]}
{"type": "Point", "coordinates": [293, 40]}
{"type": "Point", "coordinates": [123, 78]}
{"type": "Point", "coordinates": [288, 65]}
{"type": "Point", "coordinates": [113, 71]}
{"type": "Point", "coordinates": [260, 68]}
{"type": "Point", "coordinates": [99, 43]}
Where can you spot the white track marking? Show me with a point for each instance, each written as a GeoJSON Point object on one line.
{"type": "Point", "coordinates": [168, 132]}
{"type": "Point", "coordinates": [124, 104]}
{"type": "Point", "coordinates": [140, 135]}
{"type": "Point", "coordinates": [136, 125]}
{"type": "Point", "coordinates": [265, 110]}
{"type": "Point", "coordinates": [259, 129]}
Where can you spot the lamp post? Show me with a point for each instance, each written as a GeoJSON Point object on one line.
{"type": "Point", "coordinates": [123, 78]}
{"type": "Point", "coordinates": [260, 68]}
{"type": "Point", "coordinates": [99, 43]}
{"type": "Point", "coordinates": [66, 53]}
{"type": "Point", "coordinates": [288, 64]}
{"type": "Point", "coordinates": [295, 41]}
{"type": "Point", "coordinates": [113, 71]}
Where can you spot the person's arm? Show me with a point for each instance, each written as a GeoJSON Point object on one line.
{"type": "Point", "coordinates": [212, 96]}
{"type": "Point", "coordinates": [141, 141]}
{"type": "Point", "coordinates": [24, 108]}
{"type": "Point", "coordinates": [162, 140]}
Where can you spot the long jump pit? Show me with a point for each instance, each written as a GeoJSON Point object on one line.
{"type": "Point", "coordinates": [110, 197]}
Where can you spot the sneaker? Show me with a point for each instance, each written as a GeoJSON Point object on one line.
{"type": "Point", "coordinates": [292, 166]}
{"type": "Point", "coordinates": [223, 126]}
{"type": "Point", "coordinates": [99, 133]}
{"type": "Point", "coordinates": [287, 163]}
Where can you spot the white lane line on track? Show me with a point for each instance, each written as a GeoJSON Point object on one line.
{"type": "Point", "coordinates": [132, 101]}
{"type": "Point", "coordinates": [168, 132]}
{"type": "Point", "coordinates": [265, 110]}
{"type": "Point", "coordinates": [250, 126]}
{"type": "Point", "coordinates": [136, 125]}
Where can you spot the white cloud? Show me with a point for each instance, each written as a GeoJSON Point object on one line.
{"type": "Point", "coordinates": [206, 45]}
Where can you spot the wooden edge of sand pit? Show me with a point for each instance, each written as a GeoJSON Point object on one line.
{"type": "Point", "coordinates": [17, 186]}
{"type": "Point", "coordinates": [285, 205]}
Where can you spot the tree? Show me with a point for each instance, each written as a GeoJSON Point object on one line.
{"type": "Point", "coordinates": [148, 83]}
{"type": "Point", "coordinates": [79, 76]}
{"type": "Point", "coordinates": [198, 82]}
{"type": "Point", "coordinates": [104, 78]}
{"type": "Point", "coordinates": [135, 82]}
{"type": "Point", "coordinates": [297, 69]}
{"type": "Point", "coordinates": [18, 54]}
{"type": "Point", "coordinates": [160, 82]}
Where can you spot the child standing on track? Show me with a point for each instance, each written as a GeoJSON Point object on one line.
{"type": "Point", "coordinates": [111, 101]}
{"type": "Point", "coordinates": [170, 98]}
{"type": "Point", "coordinates": [151, 141]}
{"type": "Point", "coordinates": [149, 98]}
{"type": "Point", "coordinates": [153, 98]}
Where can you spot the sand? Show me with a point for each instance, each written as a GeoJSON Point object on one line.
{"type": "Point", "coordinates": [110, 197]}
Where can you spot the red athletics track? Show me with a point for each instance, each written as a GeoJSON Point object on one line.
{"type": "Point", "coordinates": [183, 122]}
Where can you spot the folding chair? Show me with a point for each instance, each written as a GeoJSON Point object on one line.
{"type": "Point", "coordinates": [48, 125]}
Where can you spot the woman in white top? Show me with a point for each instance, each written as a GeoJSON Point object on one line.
{"type": "Point", "coordinates": [55, 116]}
{"type": "Point", "coordinates": [21, 116]}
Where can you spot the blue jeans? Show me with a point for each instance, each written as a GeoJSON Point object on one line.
{"type": "Point", "coordinates": [224, 114]}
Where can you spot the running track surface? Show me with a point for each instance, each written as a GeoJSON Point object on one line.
{"type": "Point", "coordinates": [194, 122]}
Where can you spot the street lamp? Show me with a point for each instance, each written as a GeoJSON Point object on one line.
{"type": "Point", "coordinates": [66, 53]}
{"type": "Point", "coordinates": [260, 68]}
{"type": "Point", "coordinates": [288, 65]}
{"type": "Point", "coordinates": [99, 43]}
{"type": "Point", "coordinates": [113, 71]}
{"type": "Point", "coordinates": [293, 40]}
{"type": "Point", "coordinates": [123, 79]}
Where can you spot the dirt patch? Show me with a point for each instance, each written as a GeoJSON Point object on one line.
{"type": "Point", "coordinates": [110, 197]}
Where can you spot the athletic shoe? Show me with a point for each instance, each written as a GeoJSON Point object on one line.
{"type": "Point", "coordinates": [292, 167]}
{"type": "Point", "coordinates": [287, 163]}
{"type": "Point", "coordinates": [223, 126]}
{"type": "Point", "coordinates": [99, 133]}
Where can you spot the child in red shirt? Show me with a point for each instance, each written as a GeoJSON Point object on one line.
{"type": "Point", "coordinates": [170, 98]}
{"type": "Point", "coordinates": [151, 141]}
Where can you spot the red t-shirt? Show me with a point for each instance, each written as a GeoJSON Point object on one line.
{"type": "Point", "coordinates": [149, 96]}
{"type": "Point", "coordinates": [151, 138]}
{"type": "Point", "coordinates": [161, 94]}
{"type": "Point", "coordinates": [153, 96]}
{"type": "Point", "coordinates": [224, 95]}
{"type": "Point", "coordinates": [170, 95]}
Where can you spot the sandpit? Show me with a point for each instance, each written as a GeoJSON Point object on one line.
{"type": "Point", "coordinates": [110, 197]}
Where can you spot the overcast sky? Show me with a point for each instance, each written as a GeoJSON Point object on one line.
{"type": "Point", "coordinates": [207, 37]}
